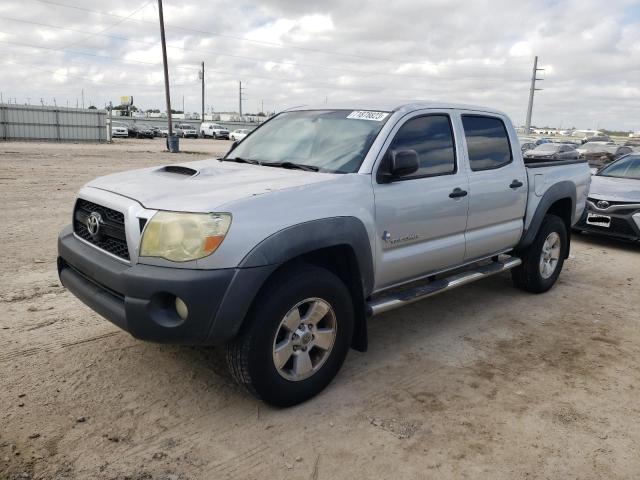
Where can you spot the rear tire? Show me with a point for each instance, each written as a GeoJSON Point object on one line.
{"type": "Point", "coordinates": [295, 337]}
{"type": "Point", "coordinates": [542, 261]}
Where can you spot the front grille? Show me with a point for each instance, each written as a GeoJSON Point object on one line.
{"type": "Point", "coordinates": [111, 236]}
{"type": "Point", "coordinates": [620, 206]}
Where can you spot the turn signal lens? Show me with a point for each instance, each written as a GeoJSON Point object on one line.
{"type": "Point", "coordinates": [181, 237]}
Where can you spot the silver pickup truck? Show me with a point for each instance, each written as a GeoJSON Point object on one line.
{"type": "Point", "coordinates": [316, 221]}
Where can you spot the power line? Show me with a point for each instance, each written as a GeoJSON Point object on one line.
{"type": "Point", "coordinates": [109, 27]}
{"type": "Point", "coordinates": [88, 79]}
{"type": "Point", "coordinates": [248, 58]}
{"type": "Point", "coordinates": [220, 72]}
{"type": "Point", "coordinates": [262, 42]}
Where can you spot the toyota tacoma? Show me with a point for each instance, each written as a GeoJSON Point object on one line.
{"type": "Point", "coordinates": [321, 218]}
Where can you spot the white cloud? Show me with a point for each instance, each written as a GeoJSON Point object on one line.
{"type": "Point", "coordinates": [520, 49]}
{"type": "Point", "coordinates": [303, 52]}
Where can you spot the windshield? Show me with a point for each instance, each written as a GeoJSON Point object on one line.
{"type": "Point", "coordinates": [627, 167]}
{"type": "Point", "coordinates": [330, 140]}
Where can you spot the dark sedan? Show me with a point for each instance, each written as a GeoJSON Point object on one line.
{"type": "Point", "coordinates": [599, 155]}
{"type": "Point", "coordinates": [552, 151]}
{"type": "Point", "coordinates": [143, 131]}
{"type": "Point", "coordinates": [613, 205]}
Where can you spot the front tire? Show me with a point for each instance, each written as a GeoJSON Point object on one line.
{"type": "Point", "coordinates": [542, 261]}
{"type": "Point", "coordinates": [295, 337]}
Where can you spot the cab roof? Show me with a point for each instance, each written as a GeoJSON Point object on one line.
{"type": "Point", "coordinates": [394, 106]}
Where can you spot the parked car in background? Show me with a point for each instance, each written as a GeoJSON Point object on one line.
{"type": "Point", "coordinates": [185, 130]}
{"type": "Point", "coordinates": [527, 146]}
{"type": "Point", "coordinates": [164, 131]}
{"type": "Point", "coordinates": [155, 130]}
{"type": "Point", "coordinates": [613, 205]}
{"type": "Point", "coordinates": [552, 151]}
{"type": "Point", "coordinates": [318, 220]}
{"type": "Point", "coordinates": [143, 131]}
{"type": "Point", "coordinates": [599, 154]}
{"type": "Point", "coordinates": [119, 130]}
{"type": "Point", "coordinates": [239, 134]}
{"type": "Point", "coordinates": [598, 139]}
{"type": "Point", "coordinates": [213, 130]}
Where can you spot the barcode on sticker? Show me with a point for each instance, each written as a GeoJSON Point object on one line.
{"type": "Point", "coordinates": [367, 115]}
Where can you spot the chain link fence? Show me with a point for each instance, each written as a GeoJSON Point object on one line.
{"type": "Point", "coordinates": [53, 124]}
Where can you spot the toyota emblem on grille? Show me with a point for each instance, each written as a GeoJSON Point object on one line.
{"type": "Point", "coordinates": [602, 204]}
{"type": "Point", "coordinates": [94, 221]}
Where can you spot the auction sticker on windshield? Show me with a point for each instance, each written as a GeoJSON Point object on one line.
{"type": "Point", "coordinates": [367, 115]}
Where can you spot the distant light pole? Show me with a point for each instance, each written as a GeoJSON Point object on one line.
{"type": "Point", "coordinates": [533, 89]}
{"type": "Point", "coordinates": [166, 81]}
{"type": "Point", "coordinates": [202, 78]}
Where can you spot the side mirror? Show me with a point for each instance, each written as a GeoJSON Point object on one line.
{"type": "Point", "coordinates": [593, 170]}
{"type": "Point", "coordinates": [398, 163]}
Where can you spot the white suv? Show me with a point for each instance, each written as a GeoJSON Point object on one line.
{"type": "Point", "coordinates": [213, 130]}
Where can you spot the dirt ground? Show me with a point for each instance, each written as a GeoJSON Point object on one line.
{"type": "Point", "coordinates": [482, 382]}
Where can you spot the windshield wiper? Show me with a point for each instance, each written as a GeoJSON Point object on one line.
{"type": "Point", "coordinates": [241, 160]}
{"type": "Point", "coordinates": [291, 165]}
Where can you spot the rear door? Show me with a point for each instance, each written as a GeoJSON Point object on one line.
{"type": "Point", "coordinates": [497, 185]}
{"type": "Point", "coordinates": [421, 218]}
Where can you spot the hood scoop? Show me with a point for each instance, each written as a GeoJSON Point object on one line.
{"type": "Point", "coordinates": [178, 170]}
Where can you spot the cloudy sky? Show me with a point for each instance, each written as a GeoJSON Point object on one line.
{"type": "Point", "coordinates": [292, 52]}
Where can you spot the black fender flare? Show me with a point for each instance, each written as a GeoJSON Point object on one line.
{"type": "Point", "coordinates": [313, 235]}
{"type": "Point", "coordinates": [559, 191]}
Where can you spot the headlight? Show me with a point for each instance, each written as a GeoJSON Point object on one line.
{"type": "Point", "coordinates": [181, 237]}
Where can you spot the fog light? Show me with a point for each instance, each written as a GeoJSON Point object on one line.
{"type": "Point", "coordinates": [181, 308]}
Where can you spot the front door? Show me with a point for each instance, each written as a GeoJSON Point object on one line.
{"type": "Point", "coordinates": [421, 218]}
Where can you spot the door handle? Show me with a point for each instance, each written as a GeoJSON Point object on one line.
{"type": "Point", "coordinates": [457, 193]}
{"type": "Point", "coordinates": [516, 184]}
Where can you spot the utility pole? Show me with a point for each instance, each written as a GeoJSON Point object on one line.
{"type": "Point", "coordinates": [110, 129]}
{"type": "Point", "coordinates": [240, 98]}
{"type": "Point", "coordinates": [202, 78]}
{"type": "Point", "coordinates": [534, 79]}
{"type": "Point", "coordinates": [166, 80]}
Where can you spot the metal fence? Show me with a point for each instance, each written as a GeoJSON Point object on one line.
{"type": "Point", "coordinates": [53, 124]}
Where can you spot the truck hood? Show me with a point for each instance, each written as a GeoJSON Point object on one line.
{"type": "Point", "coordinates": [203, 186]}
{"type": "Point", "coordinates": [615, 189]}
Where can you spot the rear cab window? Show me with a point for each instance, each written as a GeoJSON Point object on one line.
{"type": "Point", "coordinates": [487, 142]}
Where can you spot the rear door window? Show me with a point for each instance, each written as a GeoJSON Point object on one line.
{"type": "Point", "coordinates": [487, 142]}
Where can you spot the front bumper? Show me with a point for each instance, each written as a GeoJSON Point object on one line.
{"type": "Point", "coordinates": [140, 299]}
{"type": "Point", "coordinates": [625, 222]}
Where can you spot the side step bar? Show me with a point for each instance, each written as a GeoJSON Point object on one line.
{"type": "Point", "coordinates": [405, 297]}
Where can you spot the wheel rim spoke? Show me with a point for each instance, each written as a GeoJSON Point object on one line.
{"type": "Point", "coordinates": [302, 363]}
{"type": "Point", "coordinates": [317, 311]}
{"type": "Point", "coordinates": [324, 338]}
{"type": "Point", "coordinates": [282, 353]}
{"type": "Point", "coordinates": [292, 320]}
